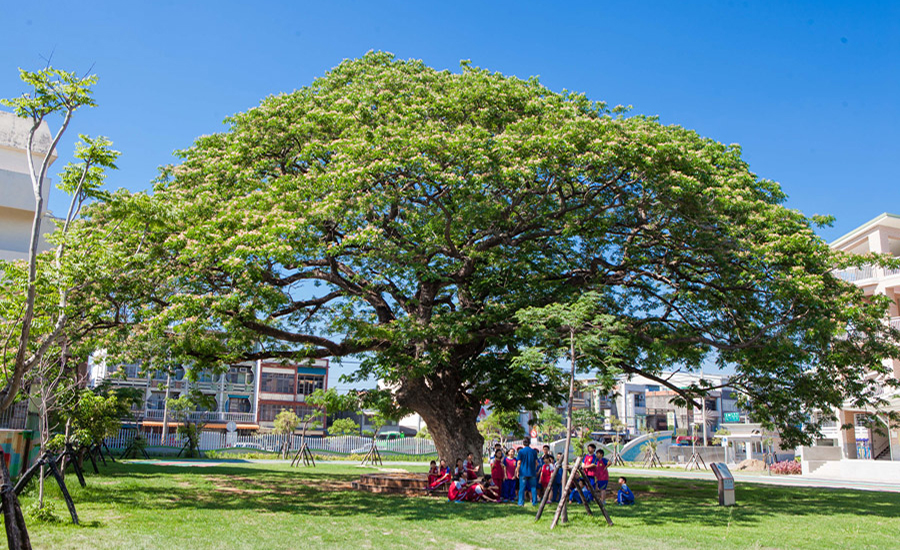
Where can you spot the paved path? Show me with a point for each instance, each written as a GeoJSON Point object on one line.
{"type": "Point", "coordinates": [764, 479]}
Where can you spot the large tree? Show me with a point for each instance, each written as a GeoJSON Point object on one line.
{"type": "Point", "coordinates": [405, 215]}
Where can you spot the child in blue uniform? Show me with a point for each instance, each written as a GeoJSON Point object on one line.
{"type": "Point", "coordinates": [625, 496]}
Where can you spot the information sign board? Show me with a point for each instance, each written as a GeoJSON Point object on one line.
{"type": "Point", "coordinates": [731, 417]}
{"type": "Point", "coordinates": [726, 483]}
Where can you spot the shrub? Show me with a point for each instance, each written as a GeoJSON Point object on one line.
{"type": "Point", "coordinates": [42, 515]}
{"type": "Point", "coordinates": [787, 467]}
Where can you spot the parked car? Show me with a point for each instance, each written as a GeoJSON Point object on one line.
{"type": "Point", "coordinates": [685, 440]}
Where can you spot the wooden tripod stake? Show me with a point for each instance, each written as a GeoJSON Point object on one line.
{"type": "Point", "coordinates": [48, 460]}
{"type": "Point", "coordinates": [372, 456]}
{"type": "Point", "coordinates": [305, 455]}
{"type": "Point", "coordinates": [651, 460]}
{"type": "Point", "coordinates": [695, 462]}
{"type": "Point", "coordinates": [16, 532]}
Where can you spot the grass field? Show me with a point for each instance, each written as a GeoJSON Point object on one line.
{"type": "Point", "coordinates": [271, 506]}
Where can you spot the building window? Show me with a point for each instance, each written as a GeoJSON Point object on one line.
{"type": "Point", "coordinates": [308, 384]}
{"type": "Point", "coordinates": [239, 375]}
{"type": "Point", "coordinates": [156, 401]}
{"type": "Point", "coordinates": [205, 376]}
{"type": "Point", "coordinates": [237, 405]}
{"type": "Point", "coordinates": [639, 400]}
{"type": "Point", "coordinates": [276, 382]}
{"type": "Point", "coordinates": [159, 376]}
{"type": "Point", "coordinates": [132, 371]}
{"type": "Point", "coordinates": [268, 411]}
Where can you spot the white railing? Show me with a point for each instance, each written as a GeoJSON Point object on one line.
{"type": "Point", "coordinates": [204, 416]}
{"type": "Point", "coordinates": [210, 440]}
{"type": "Point", "coordinates": [895, 322]}
{"type": "Point", "coordinates": [855, 274]}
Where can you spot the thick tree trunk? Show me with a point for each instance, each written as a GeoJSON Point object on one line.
{"type": "Point", "coordinates": [451, 418]}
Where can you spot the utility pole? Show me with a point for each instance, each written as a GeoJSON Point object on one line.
{"type": "Point", "coordinates": [705, 439]}
{"type": "Point", "coordinates": [165, 422]}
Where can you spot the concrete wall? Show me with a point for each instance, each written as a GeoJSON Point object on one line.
{"type": "Point", "coordinates": [813, 458]}
{"type": "Point", "coordinates": [857, 470]}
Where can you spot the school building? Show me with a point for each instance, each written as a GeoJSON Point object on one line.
{"type": "Point", "coordinates": [870, 437]}
{"type": "Point", "coordinates": [249, 395]}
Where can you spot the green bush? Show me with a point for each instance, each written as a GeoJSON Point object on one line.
{"type": "Point", "coordinates": [43, 515]}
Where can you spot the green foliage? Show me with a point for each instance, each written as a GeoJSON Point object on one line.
{"type": "Point", "coordinates": [96, 417]}
{"type": "Point", "coordinates": [585, 421]}
{"type": "Point", "coordinates": [500, 425]}
{"type": "Point", "coordinates": [45, 514]}
{"type": "Point", "coordinates": [53, 91]}
{"type": "Point", "coordinates": [84, 180]}
{"type": "Point", "coordinates": [720, 432]}
{"type": "Point", "coordinates": [424, 433]}
{"type": "Point", "coordinates": [548, 423]}
{"type": "Point", "coordinates": [182, 409]}
{"type": "Point", "coordinates": [331, 400]}
{"type": "Point", "coordinates": [35, 309]}
{"type": "Point", "coordinates": [378, 420]}
{"type": "Point", "coordinates": [652, 443]}
{"type": "Point", "coordinates": [410, 217]}
{"type": "Point", "coordinates": [343, 426]}
{"type": "Point", "coordinates": [287, 421]}
{"type": "Point", "coordinates": [619, 428]}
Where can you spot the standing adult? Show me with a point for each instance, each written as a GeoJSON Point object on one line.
{"type": "Point", "coordinates": [527, 468]}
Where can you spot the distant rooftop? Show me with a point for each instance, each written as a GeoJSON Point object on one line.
{"type": "Point", "coordinates": [890, 220]}
{"type": "Point", "coordinates": [14, 133]}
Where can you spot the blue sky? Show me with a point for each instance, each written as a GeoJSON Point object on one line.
{"type": "Point", "coordinates": [809, 89]}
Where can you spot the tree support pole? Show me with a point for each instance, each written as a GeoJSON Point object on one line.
{"type": "Point", "coordinates": [564, 497]}
{"type": "Point", "coordinates": [16, 532]}
{"type": "Point", "coordinates": [99, 452]}
{"type": "Point", "coordinates": [90, 454]}
{"type": "Point", "coordinates": [546, 497]}
{"type": "Point", "coordinates": [597, 498]}
{"type": "Point", "coordinates": [62, 487]}
{"type": "Point", "coordinates": [109, 452]}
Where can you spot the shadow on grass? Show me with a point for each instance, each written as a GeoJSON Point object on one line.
{"type": "Point", "coordinates": [255, 488]}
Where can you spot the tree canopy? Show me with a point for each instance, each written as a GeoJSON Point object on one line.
{"type": "Point", "coordinates": [404, 215]}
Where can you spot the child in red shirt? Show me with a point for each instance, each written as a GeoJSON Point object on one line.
{"type": "Point", "coordinates": [509, 482]}
{"type": "Point", "coordinates": [457, 491]}
{"type": "Point", "coordinates": [471, 467]}
{"type": "Point", "coordinates": [601, 474]}
{"type": "Point", "coordinates": [546, 473]}
{"type": "Point", "coordinates": [443, 476]}
{"type": "Point", "coordinates": [433, 473]}
{"type": "Point", "coordinates": [497, 470]}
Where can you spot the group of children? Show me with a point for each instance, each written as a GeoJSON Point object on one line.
{"type": "Point", "coordinates": [522, 472]}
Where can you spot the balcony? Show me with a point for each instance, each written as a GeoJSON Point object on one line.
{"type": "Point", "coordinates": [857, 274]}
{"type": "Point", "coordinates": [204, 416]}
{"type": "Point", "coordinates": [865, 273]}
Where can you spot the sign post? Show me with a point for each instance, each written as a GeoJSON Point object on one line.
{"type": "Point", "coordinates": [726, 483]}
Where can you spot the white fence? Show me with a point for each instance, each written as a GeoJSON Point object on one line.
{"type": "Point", "coordinates": [271, 442]}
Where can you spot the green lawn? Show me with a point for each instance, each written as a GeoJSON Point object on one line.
{"type": "Point", "coordinates": [235, 506]}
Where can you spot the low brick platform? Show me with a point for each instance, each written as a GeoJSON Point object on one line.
{"type": "Point", "coordinates": [397, 483]}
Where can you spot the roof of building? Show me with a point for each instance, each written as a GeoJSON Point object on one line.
{"type": "Point", "coordinates": [885, 219]}
{"type": "Point", "coordinates": [14, 133]}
